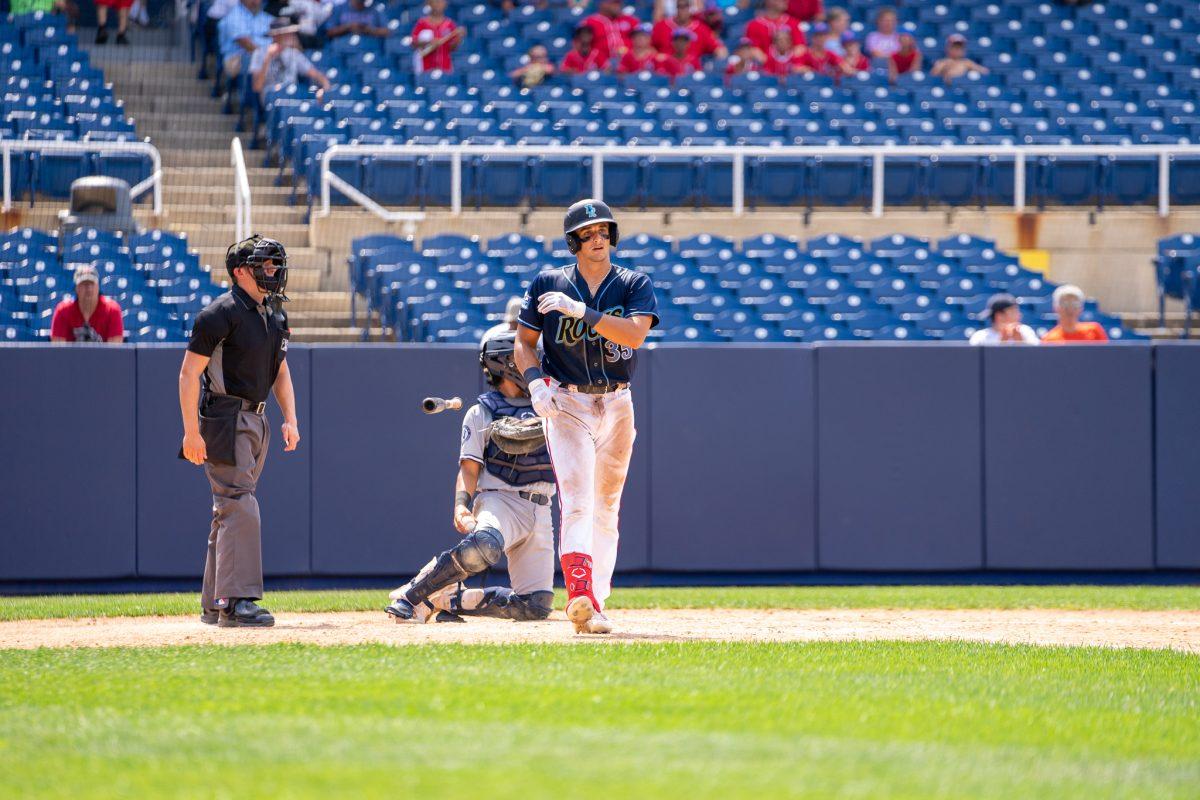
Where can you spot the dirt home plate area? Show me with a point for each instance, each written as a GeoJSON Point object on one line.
{"type": "Point", "coordinates": [1177, 630]}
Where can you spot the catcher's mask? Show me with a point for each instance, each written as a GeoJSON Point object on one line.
{"type": "Point", "coordinates": [269, 250]}
{"type": "Point", "coordinates": [496, 358]}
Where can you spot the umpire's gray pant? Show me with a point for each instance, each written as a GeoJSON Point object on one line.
{"type": "Point", "coordinates": [234, 564]}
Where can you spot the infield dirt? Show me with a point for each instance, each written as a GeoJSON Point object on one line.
{"type": "Point", "coordinates": [1177, 630]}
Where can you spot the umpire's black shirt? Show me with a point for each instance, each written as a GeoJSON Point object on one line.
{"type": "Point", "coordinates": [246, 341]}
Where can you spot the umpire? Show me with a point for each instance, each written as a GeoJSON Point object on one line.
{"type": "Point", "coordinates": [237, 351]}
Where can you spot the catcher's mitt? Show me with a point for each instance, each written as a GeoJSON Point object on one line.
{"type": "Point", "coordinates": [518, 437]}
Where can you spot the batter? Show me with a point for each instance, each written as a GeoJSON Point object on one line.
{"type": "Point", "coordinates": [591, 317]}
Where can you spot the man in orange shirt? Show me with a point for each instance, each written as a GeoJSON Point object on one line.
{"type": "Point", "coordinates": [1068, 304]}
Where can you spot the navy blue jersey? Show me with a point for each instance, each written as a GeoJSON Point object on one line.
{"type": "Point", "coordinates": [573, 352]}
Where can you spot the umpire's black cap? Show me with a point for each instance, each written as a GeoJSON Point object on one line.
{"type": "Point", "coordinates": [239, 253]}
{"type": "Point", "coordinates": [588, 212]}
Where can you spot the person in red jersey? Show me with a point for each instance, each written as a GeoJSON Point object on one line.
{"type": "Point", "coordinates": [907, 59]}
{"type": "Point", "coordinates": [1068, 304]}
{"type": "Point", "coordinates": [90, 316]}
{"type": "Point", "coordinates": [641, 55]}
{"type": "Point", "coordinates": [611, 30]}
{"type": "Point", "coordinates": [746, 58]}
{"type": "Point", "coordinates": [855, 58]}
{"type": "Point", "coordinates": [436, 37]}
{"type": "Point", "coordinates": [781, 59]}
{"type": "Point", "coordinates": [682, 59]}
{"type": "Point", "coordinates": [806, 10]}
{"type": "Point", "coordinates": [583, 56]}
{"type": "Point", "coordinates": [819, 59]}
{"type": "Point", "coordinates": [704, 44]}
{"type": "Point", "coordinates": [761, 29]}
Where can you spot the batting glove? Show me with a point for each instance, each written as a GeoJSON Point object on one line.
{"type": "Point", "coordinates": [542, 395]}
{"type": "Point", "coordinates": [557, 301]}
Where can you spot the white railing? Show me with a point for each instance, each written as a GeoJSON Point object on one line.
{"type": "Point", "coordinates": [877, 153]}
{"type": "Point", "coordinates": [242, 219]}
{"type": "Point", "coordinates": [152, 183]}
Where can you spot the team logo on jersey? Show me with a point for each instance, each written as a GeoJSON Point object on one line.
{"type": "Point", "coordinates": [573, 331]}
{"type": "Point", "coordinates": [466, 434]}
{"type": "Point", "coordinates": [591, 211]}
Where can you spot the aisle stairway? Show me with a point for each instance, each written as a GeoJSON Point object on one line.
{"type": "Point", "coordinates": [175, 110]}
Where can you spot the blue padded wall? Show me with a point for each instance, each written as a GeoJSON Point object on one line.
{"type": "Point", "coordinates": [68, 471]}
{"type": "Point", "coordinates": [1177, 386]}
{"type": "Point", "coordinates": [174, 499]}
{"type": "Point", "coordinates": [732, 473]}
{"type": "Point", "coordinates": [1067, 457]}
{"type": "Point", "coordinates": [899, 457]}
{"type": "Point", "coordinates": [383, 475]}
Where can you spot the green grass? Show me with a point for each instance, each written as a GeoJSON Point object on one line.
{"type": "Point", "coordinates": [1130, 597]}
{"type": "Point", "coordinates": [695, 721]}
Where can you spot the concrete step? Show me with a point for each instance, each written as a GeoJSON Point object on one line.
{"type": "Point", "coordinates": [305, 258]}
{"type": "Point", "coordinates": [317, 319]}
{"type": "Point", "coordinates": [322, 302]}
{"type": "Point", "coordinates": [163, 122]}
{"type": "Point", "coordinates": [220, 236]}
{"type": "Point", "coordinates": [199, 103]}
{"type": "Point", "coordinates": [299, 279]}
{"type": "Point", "coordinates": [341, 335]}
{"type": "Point", "coordinates": [222, 194]}
{"type": "Point", "coordinates": [212, 138]}
{"type": "Point", "coordinates": [263, 216]}
{"type": "Point", "coordinates": [176, 157]}
{"type": "Point", "coordinates": [218, 176]}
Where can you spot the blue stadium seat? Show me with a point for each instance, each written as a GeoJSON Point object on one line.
{"type": "Point", "coordinates": [561, 180]}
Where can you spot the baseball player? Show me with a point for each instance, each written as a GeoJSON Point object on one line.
{"type": "Point", "coordinates": [591, 317]}
{"type": "Point", "coordinates": [510, 514]}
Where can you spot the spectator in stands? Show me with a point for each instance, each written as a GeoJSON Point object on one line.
{"type": "Point", "coordinates": [907, 59]}
{"type": "Point", "coordinates": [508, 6]}
{"type": "Point", "coordinates": [1004, 317]}
{"type": "Point", "coordinates": [641, 54]}
{"type": "Point", "coordinates": [90, 316]}
{"type": "Point", "coordinates": [884, 40]}
{"type": "Point", "coordinates": [311, 16]}
{"type": "Point", "coordinates": [65, 7]}
{"type": "Point", "coordinates": [683, 58]}
{"type": "Point", "coordinates": [956, 64]}
{"type": "Point", "coordinates": [781, 58]}
{"type": "Point", "coordinates": [611, 30]}
{"type": "Point", "coordinates": [356, 17]}
{"type": "Point", "coordinates": [704, 43]}
{"type": "Point", "coordinates": [806, 10]}
{"type": "Point", "coordinates": [511, 312]}
{"type": "Point", "coordinates": [122, 7]}
{"type": "Point", "coordinates": [761, 29]}
{"type": "Point", "coordinates": [582, 57]}
{"type": "Point", "coordinates": [1068, 304]}
{"type": "Point", "coordinates": [855, 58]}
{"type": "Point", "coordinates": [283, 62]}
{"type": "Point", "coordinates": [240, 32]}
{"type": "Point", "coordinates": [536, 70]}
{"type": "Point", "coordinates": [710, 12]}
{"type": "Point", "coordinates": [435, 38]}
{"type": "Point", "coordinates": [817, 58]}
{"type": "Point", "coordinates": [746, 58]}
{"type": "Point", "coordinates": [838, 20]}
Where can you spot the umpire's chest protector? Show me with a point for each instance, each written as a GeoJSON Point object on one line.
{"type": "Point", "coordinates": [516, 470]}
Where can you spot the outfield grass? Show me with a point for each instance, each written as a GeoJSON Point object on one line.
{"type": "Point", "coordinates": [695, 721]}
{"type": "Point", "coordinates": [1076, 597]}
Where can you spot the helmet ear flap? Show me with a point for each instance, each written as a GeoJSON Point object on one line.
{"type": "Point", "coordinates": [573, 243]}
{"type": "Point", "coordinates": [614, 234]}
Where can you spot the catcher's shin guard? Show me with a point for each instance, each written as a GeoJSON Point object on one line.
{"type": "Point", "coordinates": [472, 555]}
{"type": "Point", "coordinates": [504, 603]}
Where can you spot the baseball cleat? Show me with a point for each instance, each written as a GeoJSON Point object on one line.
{"type": "Point", "coordinates": [404, 611]}
{"type": "Point", "coordinates": [585, 617]}
{"type": "Point", "coordinates": [245, 614]}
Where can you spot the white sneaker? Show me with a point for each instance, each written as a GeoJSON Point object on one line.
{"type": "Point", "coordinates": [586, 618]}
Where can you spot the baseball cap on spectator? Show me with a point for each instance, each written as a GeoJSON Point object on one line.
{"type": "Point", "coordinates": [819, 29]}
{"type": "Point", "coordinates": [849, 36]}
{"type": "Point", "coordinates": [956, 38]}
{"type": "Point", "coordinates": [645, 28]}
{"type": "Point", "coordinates": [997, 303]}
{"type": "Point", "coordinates": [1067, 290]}
{"type": "Point", "coordinates": [86, 272]}
{"type": "Point", "coordinates": [683, 33]}
{"type": "Point", "coordinates": [513, 309]}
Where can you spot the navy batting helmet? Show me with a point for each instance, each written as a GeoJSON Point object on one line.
{"type": "Point", "coordinates": [584, 213]}
{"type": "Point", "coordinates": [496, 358]}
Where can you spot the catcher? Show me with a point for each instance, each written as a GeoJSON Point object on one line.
{"type": "Point", "coordinates": [501, 506]}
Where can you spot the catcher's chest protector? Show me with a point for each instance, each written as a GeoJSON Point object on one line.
{"type": "Point", "coordinates": [515, 470]}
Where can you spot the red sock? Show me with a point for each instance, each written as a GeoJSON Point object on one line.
{"type": "Point", "coordinates": [577, 574]}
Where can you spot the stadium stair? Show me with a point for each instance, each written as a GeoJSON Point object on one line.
{"type": "Point", "coordinates": [177, 113]}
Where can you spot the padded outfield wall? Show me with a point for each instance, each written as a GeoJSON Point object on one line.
{"type": "Point", "coordinates": [789, 458]}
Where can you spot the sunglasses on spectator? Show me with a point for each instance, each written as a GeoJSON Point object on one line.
{"type": "Point", "coordinates": [1070, 303]}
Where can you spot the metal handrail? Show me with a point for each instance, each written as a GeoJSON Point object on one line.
{"type": "Point", "coordinates": [739, 154]}
{"type": "Point", "coordinates": [242, 206]}
{"type": "Point", "coordinates": [154, 182]}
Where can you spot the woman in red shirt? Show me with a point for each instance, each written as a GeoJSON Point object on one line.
{"type": "Point", "coordinates": [907, 59]}
{"type": "Point", "coordinates": [582, 57]}
{"type": "Point", "coordinates": [762, 28]}
{"type": "Point", "coordinates": [780, 59]}
{"type": "Point", "coordinates": [855, 58]}
{"type": "Point", "coordinates": [682, 60]}
{"type": "Point", "coordinates": [818, 59]}
{"type": "Point", "coordinates": [435, 37]}
{"type": "Point", "coordinates": [641, 54]}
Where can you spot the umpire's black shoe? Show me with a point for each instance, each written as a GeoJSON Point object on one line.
{"type": "Point", "coordinates": [209, 616]}
{"type": "Point", "coordinates": [245, 614]}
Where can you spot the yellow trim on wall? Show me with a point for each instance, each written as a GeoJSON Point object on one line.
{"type": "Point", "coordinates": [1036, 260]}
